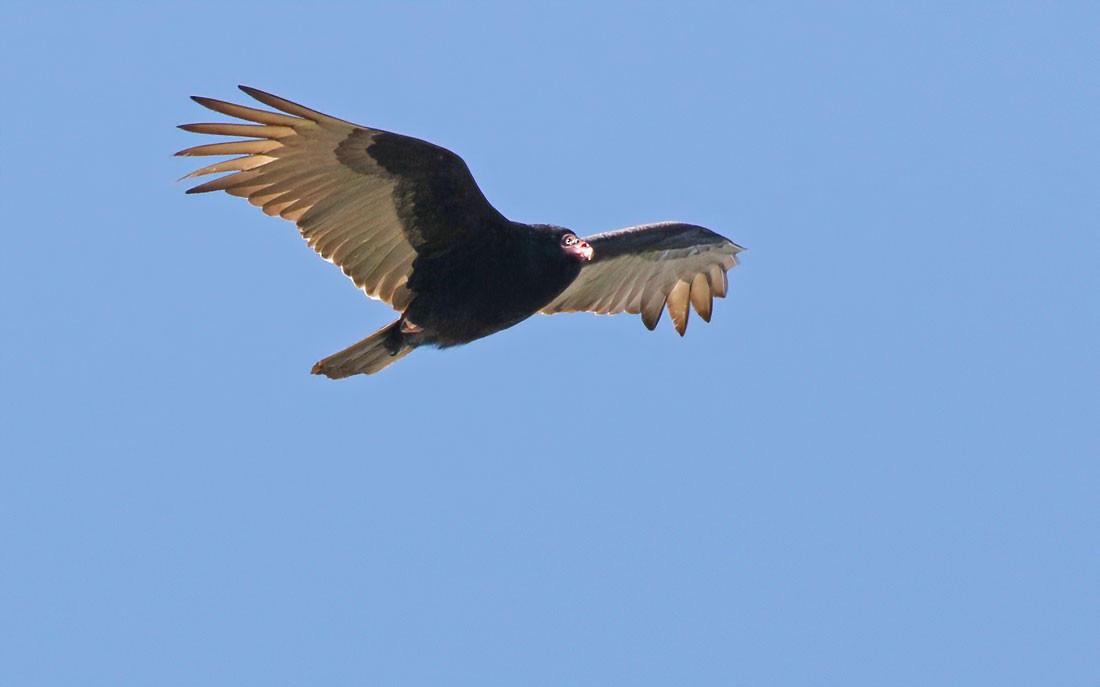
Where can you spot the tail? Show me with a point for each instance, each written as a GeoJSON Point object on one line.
{"type": "Point", "coordinates": [379, 350]}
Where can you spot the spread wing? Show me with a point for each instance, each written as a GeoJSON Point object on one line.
{"type": "Point", "coordinates": [640, 269]}
{"type": "Point", "coordinates": [367, 200]}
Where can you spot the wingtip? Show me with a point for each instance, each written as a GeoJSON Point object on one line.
{"type": "Point", "coordinates": [208, 103]}
{"type": "Point", "coordinates": [204, 101]}
{"type": "Point", "coordinates": [255, 93]}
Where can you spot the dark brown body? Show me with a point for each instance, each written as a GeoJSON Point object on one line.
{"type": "Point", "coordinates": [468, 294]}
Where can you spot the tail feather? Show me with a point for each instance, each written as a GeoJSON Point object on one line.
{"type": "Point", "coordinates": [376, 352]}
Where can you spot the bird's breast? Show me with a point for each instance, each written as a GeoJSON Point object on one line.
{"type": "Point", "coordinates": [460, 298]}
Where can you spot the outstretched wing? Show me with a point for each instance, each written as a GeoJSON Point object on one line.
{"type": "Point", "coordinates": [640, 269]}
{"type": "Point", "coordinates": [367, 200]}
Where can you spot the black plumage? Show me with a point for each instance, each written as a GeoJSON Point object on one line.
{"type": "Point", "coordinates": [405, 220]}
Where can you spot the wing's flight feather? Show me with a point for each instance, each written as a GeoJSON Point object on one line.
{"type": "Point", "coordinates": [366, 209]}
{"type": "Point", "coordinates": [643, 269]}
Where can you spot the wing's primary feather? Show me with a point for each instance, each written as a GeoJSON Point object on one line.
{"type": "Point", "coordinates": [366, 200]}
{"type": "Point", "coordinates": [642, 269]}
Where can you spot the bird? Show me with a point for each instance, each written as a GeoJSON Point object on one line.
{"type": "Point", "coordinates": [406, 222]}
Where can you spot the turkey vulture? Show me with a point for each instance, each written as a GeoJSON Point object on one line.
{"type": "Point", "coordinates": [405, 220]}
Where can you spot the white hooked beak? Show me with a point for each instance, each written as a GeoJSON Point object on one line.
{"type": "Point", "coordinates": [582, 249]}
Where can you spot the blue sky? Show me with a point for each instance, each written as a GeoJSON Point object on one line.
{"type": "Point", "coordinates": [877, 465]}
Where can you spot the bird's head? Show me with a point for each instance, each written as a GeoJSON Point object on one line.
{"type": "Point", "coordinates": [576, 247]}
